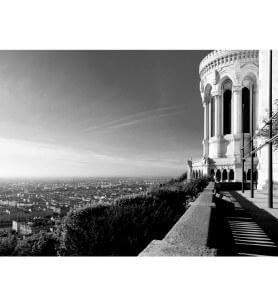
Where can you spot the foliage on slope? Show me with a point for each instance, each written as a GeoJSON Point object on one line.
{"type": "Point", "coordinates": [123, 227]}
{"type": "Point", "coordinates": [130, 223]}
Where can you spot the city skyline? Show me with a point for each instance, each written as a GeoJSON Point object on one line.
{"type": "Point", "coordinates": [99, 113]}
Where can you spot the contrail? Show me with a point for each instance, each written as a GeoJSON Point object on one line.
{"type": "Point", "coordinates": [139, 117]}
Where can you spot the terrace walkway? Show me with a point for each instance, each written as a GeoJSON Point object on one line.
{"type": "Point", "coordinates": [251, 229]}
{"type": "Point", "coordinates": [222, 222]}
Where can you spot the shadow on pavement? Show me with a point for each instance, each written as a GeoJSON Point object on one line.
{"type": "Point", "coordinates": [263, 218]}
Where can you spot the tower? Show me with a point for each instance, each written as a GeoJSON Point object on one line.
{"type": "Point", "coordinates": [229, 78]}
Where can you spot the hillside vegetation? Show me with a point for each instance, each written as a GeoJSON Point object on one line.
{"type": "Point", "coordinates": [128, 225]}
{"type": "Point", "coordinates": [122, 228]}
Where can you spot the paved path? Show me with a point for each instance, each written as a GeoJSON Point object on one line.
{"type": "Point", "coordinates": [249, 229]}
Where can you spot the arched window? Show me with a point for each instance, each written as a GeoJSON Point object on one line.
{"type": "Point", "coordinates": [227, 111]}
{"type": "Point", "coordinates": [224, 175]}
{"type": "Point", "coordinates": [231, 175]}
{"type": "Point", "coordinates": [246, 109]}
{"type": "Point", "coordinates": [218, 175]}
{"type": "Point", "coordinates": [212, 117]}
{"type": "Point", "coordinates": [199, 174]}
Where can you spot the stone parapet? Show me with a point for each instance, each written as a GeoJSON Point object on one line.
{"type": "Point", "coordinates": [190, 236]}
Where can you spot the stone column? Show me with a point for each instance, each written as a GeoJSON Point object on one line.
{"type": "Point", "coordinates": [206, 128]}
{"type": "Point", "coordinates": [237, 115]}
{"type": "Point", "coordinates": [217, 144]}
{"type": "Point", "coordinates": [218, 115]}
{"type": "Point", "coordinates": [205, 121]}
{"type": "Point", "coordinates": [236, 121]}
{"type": "Point", "coordinates": [209, 119]}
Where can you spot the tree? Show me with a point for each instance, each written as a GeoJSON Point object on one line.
{"type": "Point", "coordinates": [39, 244]}
{"type": "Point", "coordinates": [265, 132]}
{"type": "Point", "coordinates": [46, 245]}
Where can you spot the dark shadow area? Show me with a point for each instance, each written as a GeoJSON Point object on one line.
{"type": "Point", "coordinates": [264, 219]}
{"type": "Point", "coordinates": [243, 228]}
{"type": "Point", "coordinates": [219, 234]}
{"type": "Point", "coordinates": [231, 186]}
{"type": "Point", "coordinates": [212, 232]}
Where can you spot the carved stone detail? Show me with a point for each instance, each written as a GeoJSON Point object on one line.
{"type": "Point", "coordinates": [216, 77]}
{"type": "Point", "coordinates": [202, 89]}
{"type": "Point", "coordinates": [220, 58]}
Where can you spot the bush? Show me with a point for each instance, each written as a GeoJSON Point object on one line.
{"type": "Point", "coordinates": [7, 245]}
{"type": "Point", "coordinates": [39, 244]}
{"type": "Point", "coordinates": [130, 223]}
{"type": "Point", "coordinates": [124, 227]}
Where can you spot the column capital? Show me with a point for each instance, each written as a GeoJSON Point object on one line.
{"type": "Point", "coordinates": [237, 89]}
{"type": "Point", "coordinates": [216, 90]}
{"type": "Point", "coordinates": [216, 93]}
{"type": "Point", "coordinates": [205, 103]}
{"type": "Point", "coordinates": [205, 99]}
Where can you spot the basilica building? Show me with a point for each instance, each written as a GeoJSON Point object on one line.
{"type": "Point", "coordinates": [234, 84]}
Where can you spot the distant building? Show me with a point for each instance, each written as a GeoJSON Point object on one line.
{"type": "Point", "coordinates": [61, 210]}
{"type": "Point", "coordinates": [23, 228]}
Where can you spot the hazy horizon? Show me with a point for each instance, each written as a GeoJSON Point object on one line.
{"type": "Point", "coordinates": [77, 114]}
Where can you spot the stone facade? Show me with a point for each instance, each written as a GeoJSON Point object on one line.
{"type": "Point", "coordinates": [229, 84]}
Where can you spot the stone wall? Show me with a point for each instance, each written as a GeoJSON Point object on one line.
{"type": "Point", "coordinates": [190, 236]}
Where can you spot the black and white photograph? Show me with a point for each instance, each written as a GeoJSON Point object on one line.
{"type": "Point", "coordinates": [150, 153]}
{"type": "Point", "coordinates": [138, 150]}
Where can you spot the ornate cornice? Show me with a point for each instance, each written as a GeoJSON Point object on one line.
{"type": "Point", "coordinates": [220, 58]}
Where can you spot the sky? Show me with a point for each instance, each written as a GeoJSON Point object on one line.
{"type": "Point", "coordinates": [99, 113]}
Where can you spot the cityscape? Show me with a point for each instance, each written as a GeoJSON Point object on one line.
{"type": "Point", "coordinates": [39, 205]}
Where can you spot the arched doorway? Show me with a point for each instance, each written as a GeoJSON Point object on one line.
{"type": "Point", "coordinates": [231, 175]}
{"type": "Point", "coordinates": [224, 175]}
{"type": "Point", "coordinates": [218, 175]}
